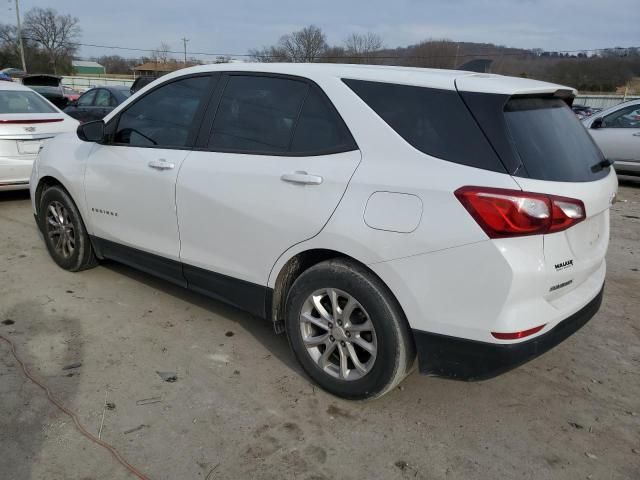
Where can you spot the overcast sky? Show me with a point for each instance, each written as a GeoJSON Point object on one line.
{"type": "Point", "coordinates": [238, 25]}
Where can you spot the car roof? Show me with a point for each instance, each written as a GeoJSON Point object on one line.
{"type": "Point", "coordinates": [423, 77]}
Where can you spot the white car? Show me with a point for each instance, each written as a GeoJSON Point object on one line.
{"type": "Point", "coordinates": [371, 213]}
{"type": "Point", "coordinates": [616, 130]}
{"type": "Point", "coordinates": [26, 120]}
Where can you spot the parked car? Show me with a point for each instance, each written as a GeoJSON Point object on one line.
{"type": "Point", "coordinates": [368, 212]}
{"type": "Point", "coordinates": [26, 121]}
{"type": "Point", "coordinates": [71, 94]}
{"type": "Point", "coordinates": [616, 130]}
{"type": "Point", "coordinates": [97, 102]}
{"type": "Point", "coordinates": [49, 87]}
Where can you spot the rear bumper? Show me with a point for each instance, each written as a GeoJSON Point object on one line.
{"type": "Point", "coordinates": [462, 359]}
{"type": "Point", "coordinates": [15, 172]}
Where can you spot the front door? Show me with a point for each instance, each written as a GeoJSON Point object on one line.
{"type": "Point", "coordinates": [619, 134]}
{"type": "Point", "coordinates": [130, 181]}
{"type": "Point", "coordinates": [275, 164]}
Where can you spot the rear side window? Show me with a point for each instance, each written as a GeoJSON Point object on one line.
{"type": "Point", "coordinates": [257, 114]}
{"type": "Point", "coordinates": [165, 116]}
{"type": "Point", "coordinates": [434, 121]}
{"type": "Point", "coordinates": [551, 143]}
{"type": "Point", "coordinates": [320, 128]}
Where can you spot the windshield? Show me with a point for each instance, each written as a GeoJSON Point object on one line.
{"type": "Point", "coordinates": [551, 142]}
{"type": "Point", "coordinates": [23, 102]}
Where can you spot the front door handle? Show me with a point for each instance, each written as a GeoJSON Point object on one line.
{"type": "Point", "coordinates": [636, 134]}
{"type": "Point", "coordinates": [301, 178]}
{"type": "Point", "coordinates": [161, 164]}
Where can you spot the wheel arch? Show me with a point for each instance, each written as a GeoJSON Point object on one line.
{"type": "Point", "coordinates": [287, 273]}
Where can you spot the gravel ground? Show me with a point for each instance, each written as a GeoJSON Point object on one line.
{"type": "Point", "coordinates": [241, 408]}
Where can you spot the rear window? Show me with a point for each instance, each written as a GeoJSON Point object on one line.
{"type": "Point", "coordinates": [23, 102]}
{"type": "Point", "coordinates": [551, 143]}
{"type": "Point", "coordinates": [434, 121]}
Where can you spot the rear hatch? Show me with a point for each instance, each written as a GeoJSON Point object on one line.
{"type": "Point", "coordinates": [547, 150]}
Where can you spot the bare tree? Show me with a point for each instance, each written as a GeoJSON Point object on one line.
{"type": "Point", "coordinates": [361, 47]}
{"type": "Point", "coordinates": [56, 34]}
{"type": "Point", "coordinates": [434, 54]}
{"type": "Point", "coordinates": [161, 54]}
{"type": "Point", "coordinates": [306, 45]}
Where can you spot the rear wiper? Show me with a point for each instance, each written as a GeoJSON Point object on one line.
{"type": "Point", "coordinates": [601, 165]}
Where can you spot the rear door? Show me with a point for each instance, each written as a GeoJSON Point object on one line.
{"type": "Point", "coordinates": [273, 164]}
{"type": "Point", "coordinates": [559, 158]}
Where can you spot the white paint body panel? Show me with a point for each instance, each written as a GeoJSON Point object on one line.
{"type": "Point", "coordinates": [236, 217]}
{"type": "Point", "coordinates": [119, 180]}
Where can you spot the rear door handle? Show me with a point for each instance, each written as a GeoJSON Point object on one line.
{"type": "Point", "coordinates": [301, 178]}
{"type": "Point", "coordinates": [161, 164]}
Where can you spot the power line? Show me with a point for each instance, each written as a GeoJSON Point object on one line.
{"type": "Point", "coordinates": [372, 55]}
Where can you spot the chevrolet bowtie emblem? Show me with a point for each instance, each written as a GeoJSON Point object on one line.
{"type": "Point", "coordinates": [30, 129]}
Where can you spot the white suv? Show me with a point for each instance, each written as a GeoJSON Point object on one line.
{"type": "Point", "coordinates": [371, 213]}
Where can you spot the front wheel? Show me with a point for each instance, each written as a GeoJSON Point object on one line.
{"type": "Point", "coordinates": [348, 331]}
{"type": "Point", "coordinates": [64, 232]}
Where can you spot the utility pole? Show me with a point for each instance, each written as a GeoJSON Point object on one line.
{"type": "Point", "coordinates": [184, 43]}
{"type": "Point", "coordinates": [24, 64]}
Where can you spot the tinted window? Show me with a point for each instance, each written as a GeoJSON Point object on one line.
{"type": "Point", "coordinates": [319, 128]}
{"type": "Point", "coordinates": [163, 117]}
{"type": "Point", "coordinates": [628, 117]}
{"type": "Point", "coordinates": [257, 114]}
{"type": "Point", "coordinates": [434, 121]}
{"type": "Point", "coordinates": [551, 142]}
{"type": "Point", "coordinates": [23, 102]}
{"type": "Point", "coordinates": [103, 98]}
{"type": "Point", "coordinates": [87, 99]}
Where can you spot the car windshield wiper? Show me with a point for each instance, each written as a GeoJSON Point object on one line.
{"type": "Point", "coordinates": [602, 164]}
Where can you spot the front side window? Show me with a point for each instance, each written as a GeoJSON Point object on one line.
{"type": "Point", "coordinates": [15, 101]}
{"type": "Point", "coordinates": [103, 98]}
{"type": "Point", "coordinates": [86, 100]}
{"type": "Point", "coordinates": [257, 114]}
{"type": "Point", "coordinates": [165, 116]}
{"type": "Point", "coordinates": [628, 117]}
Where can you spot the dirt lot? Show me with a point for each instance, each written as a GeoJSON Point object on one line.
{"type": "Point", "coordinates": [241, 408]}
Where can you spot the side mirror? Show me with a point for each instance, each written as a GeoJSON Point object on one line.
{"type": "Point", "coordinates": [597, 123]}
{"type": "Point", "coordinates": [91, 131]}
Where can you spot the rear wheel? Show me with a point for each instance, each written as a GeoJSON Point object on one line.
{"type": "Point", "coordinates": [64, 232]}
{"type": "Point", "coordinates": [347, 330]}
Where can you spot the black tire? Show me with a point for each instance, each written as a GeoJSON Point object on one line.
{"type": "Point", "coordinates": [395, 348]}
{"type": "Point", "coordinates": [82, 255]}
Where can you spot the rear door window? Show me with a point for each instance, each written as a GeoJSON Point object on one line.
{"type": "Point", "coordinates": [320, 128]}
{"type": "Point", "coordinates": [257, 114]}
{"type": "Point", "coordinates": [551, 143]}
{"type": "Point", "coordinates": [434, 121]}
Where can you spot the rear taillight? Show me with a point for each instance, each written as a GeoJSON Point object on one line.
{"type": "Point", "coordinates": [511, 213]}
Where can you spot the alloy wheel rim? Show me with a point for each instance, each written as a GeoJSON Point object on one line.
{"type": "Point", "coordinates": [60, 231]}
{"type": "Point", "coordinates": [338, 334]}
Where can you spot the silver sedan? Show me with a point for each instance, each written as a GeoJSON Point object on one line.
{"type": "Point", "coordinates": [616, 130]}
